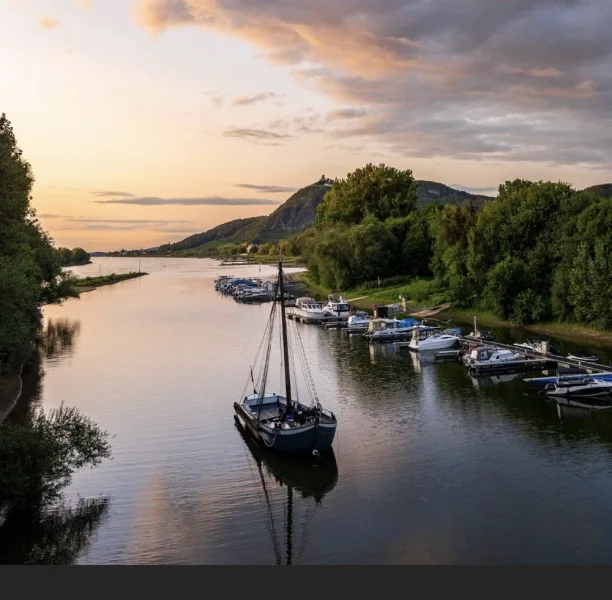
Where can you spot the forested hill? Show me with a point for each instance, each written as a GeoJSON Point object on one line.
{"type": "Point", "coordinates": [297, 214]}
{"type": "Point", "coordinates": [602, 191]}
{"type": "Point", "coordinates": [431, 191]}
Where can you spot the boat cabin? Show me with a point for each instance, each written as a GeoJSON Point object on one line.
{"type": "Point", "coordinates": [422, 333]}
{"type": "Point", "coordinates": [306, 303]}
{"type": "Point", "coordinates": [492, 355]}
{"type": "Point", "coordinates": [382, 325]}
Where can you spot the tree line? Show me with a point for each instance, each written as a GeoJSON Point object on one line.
{"type": "Point", "coordinates": [74, 257]}
{"type": "Point", "coordinates": [30, 269]}
{"type": "Point", "coordinates": [539, 250]}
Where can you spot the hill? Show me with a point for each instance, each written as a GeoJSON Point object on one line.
{"type": "Point", "coordinates": [297, 214]}
{"type": "Point", "coordinates": [220, 233]}
{"type": "Point", "coordinates": [431, 191]}
{"type": "Point", "coordinates": [604, 190]}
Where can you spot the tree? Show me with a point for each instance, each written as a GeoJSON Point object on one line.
{"type": "Point", "coordinates": [30, 272]}
{"type": "Point", "coordinates": [380, 191]}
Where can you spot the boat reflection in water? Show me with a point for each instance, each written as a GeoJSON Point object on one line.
{"type": "Point", "coordinates": [310, 478]}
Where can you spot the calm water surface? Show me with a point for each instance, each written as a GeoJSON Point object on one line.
{"type": "Point", "coordinates": [431, 466]}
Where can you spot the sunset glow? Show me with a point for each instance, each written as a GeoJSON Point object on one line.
{"type": "Point", "coordinates": [148, 120]}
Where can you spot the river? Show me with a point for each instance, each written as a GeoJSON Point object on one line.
{"type": "Point", "coordinates": [431, 466]}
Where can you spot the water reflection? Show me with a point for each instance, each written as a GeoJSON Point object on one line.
{"type": "Point", "coordinates": [53, 537]}
{"type": "Point", "coordinates": [57, 534]}
{"type": "Point", "coordinates": [310, 480]}
{"type": "Point", "coordinates": [59, 337]}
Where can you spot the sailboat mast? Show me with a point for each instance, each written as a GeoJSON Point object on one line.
{"type": "Point", "coordinates": [281, 289]}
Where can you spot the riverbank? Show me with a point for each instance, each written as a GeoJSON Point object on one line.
{"type": "Point", "coordinates": [87, 284]}
{"type": "Point", "coordinates": [366, 298]}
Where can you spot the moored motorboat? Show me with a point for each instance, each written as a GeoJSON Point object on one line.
{"type": "Point", "coordinates": [358, 323]}
{"type": "Point", "coordinates": [428, 338]}
{"type": "Point", "coordinates": [587, 386]}
{"type": "Point", "coordinates": [337, 307]}
{"type": "Point", "coordinates": [308, 309]}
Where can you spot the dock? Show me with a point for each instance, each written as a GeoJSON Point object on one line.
{"type": "Point", "coordinates": [533, 360]}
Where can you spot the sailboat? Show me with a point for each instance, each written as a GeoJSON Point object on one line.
{"type": "Point", "coordinates": [283, 423]}
{"type": "Point", "coordinates": [302, 476]}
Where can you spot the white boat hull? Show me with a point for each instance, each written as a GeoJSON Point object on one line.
{"type": "Point", "coordinates": [433, 344]}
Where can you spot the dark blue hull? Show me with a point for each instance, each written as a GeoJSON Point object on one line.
{"type": "Point", "coordinates": [299, 441]}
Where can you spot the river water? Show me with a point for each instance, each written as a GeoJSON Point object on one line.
{"type": "Point", "coordinates": [430, 466]}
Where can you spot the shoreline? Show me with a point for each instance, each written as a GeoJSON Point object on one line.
{"type": "Point", "coordinates": [88, 284]}
{"type": "Point", "coordinates": [570, 331]}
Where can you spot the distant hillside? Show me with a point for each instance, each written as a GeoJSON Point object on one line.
{"type": "Point", "coordinates": [433, 192]}
{"type": "Point", "coordinates": [221, 233]}
{"type": "Point", "coordinates": [294, 216]}
{"type": "Point", "coordinates": [604, 190]}
{"type": "Point", "coordinates": [297, 214]}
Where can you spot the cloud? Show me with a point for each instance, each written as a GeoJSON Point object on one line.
{"type": "Point", "coordinates": [253, 99]}
{"type": "Point", "coordinates": [106, 194]}
{"type": "Point", "coordinates": [208, 201]}
{"type": "Point", "coordinates": [470, 79]}
{"type": "Point", "coordinates": [347, 113]}
{"type": "Point", "coordinates": [257, 135]}
{"type": "Point", "coordinates": [97, 224]}
{"type": "Point", "coordinates": [268, 189]}
{"type": "Point", "coordinates": [48, 22]}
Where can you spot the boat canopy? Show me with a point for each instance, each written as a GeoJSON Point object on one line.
{"type": "Point", "coordinates": [409, 323]}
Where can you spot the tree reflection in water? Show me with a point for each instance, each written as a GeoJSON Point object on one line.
{"type": "Point", "coordinates": [57, 533]}
{"type": "Point", "coordinates": [51, 536]}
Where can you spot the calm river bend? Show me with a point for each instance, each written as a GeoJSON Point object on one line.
{"type": "Point", "coordinates": [431, 466]}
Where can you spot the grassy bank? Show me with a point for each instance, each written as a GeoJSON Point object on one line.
{"type": "Point", "coordinates": [570, 331]}
{"type": "Point", "coordinates": [423, 293]}
{"type": "Point", "coordinates": [418, 292]}
{"type": "Point", "coordinates": [86, 284]}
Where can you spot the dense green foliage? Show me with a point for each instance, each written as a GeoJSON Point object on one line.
{"type": "Point", "coordinates": [539, 250]}
{"type": "Point", "coordinates": [30, 272]}
{"type": "Point", "coordinates": [76, 256]}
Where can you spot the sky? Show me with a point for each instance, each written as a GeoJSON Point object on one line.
{"type": "Point", "coordinates": [148, 120]}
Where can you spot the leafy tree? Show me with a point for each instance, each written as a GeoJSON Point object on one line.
{"type": "Point", "coordinates": [380, 191]}
{"type": "Point", "coordinates": [30, 272]}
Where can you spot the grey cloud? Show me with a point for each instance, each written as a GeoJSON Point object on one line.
{"type": "Point", "coordinates": [470, 79]}
{"type": "Point", "coordinates": [206, 201]}
{"type": "Point", "coordinates": [106, 194]}
{"type": "Point", "coordinates": [257, 135]}
{"type": "Point", "coordinates": [253, 99]}
{"type": "Point", "coordinates": [348, 113]}
{"type": "Point", "coordinates": [267, 189]}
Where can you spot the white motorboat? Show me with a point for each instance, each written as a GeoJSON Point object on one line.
{"type": "Point", "coordinates": [337, 307]}
{"type": "Point", "coordinates": [587, 386]}
{"type": "Point", "coordinates": [377, 326]}
{"type": "Point", "coordinates": [489, 355]}
{"type": "Point", "coordinates": [308, 309]}
{"type": "Point", "coordinates": [428, 338]}
{"type": "Point", "coordinates": [359, 322]}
